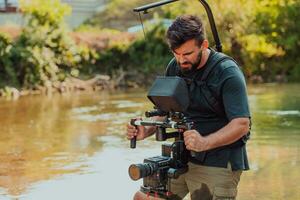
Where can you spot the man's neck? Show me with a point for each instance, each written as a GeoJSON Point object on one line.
{"type": "Point", "coordinates": [205, 56]}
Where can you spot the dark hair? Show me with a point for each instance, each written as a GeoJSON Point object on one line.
{"type": "Point", "coordinates": [184, 28]}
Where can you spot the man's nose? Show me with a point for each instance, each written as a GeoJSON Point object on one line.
{"type": "Point", "coordinates": [181, 59]}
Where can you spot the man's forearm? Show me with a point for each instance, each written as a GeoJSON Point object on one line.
{"type": "Point", "coordinates": [230, 133]}
{"type": "Point", "coordinates": [150, 130]}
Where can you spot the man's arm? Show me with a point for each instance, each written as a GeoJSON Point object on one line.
{"type": "Point", "coordinates": [234, 98]}
{"type": "Point", "coordinates": [230, 133]}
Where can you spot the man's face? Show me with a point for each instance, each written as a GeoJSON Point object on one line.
{"type": "Point", "coordinates": [188, 55]}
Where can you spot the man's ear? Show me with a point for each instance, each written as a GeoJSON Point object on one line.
{"type": "Point", "coordinates": [205, 44]}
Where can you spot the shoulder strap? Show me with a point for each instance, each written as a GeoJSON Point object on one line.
{"type": "Point", "coordinates": [210, 96]}
{"type": "Point", "coordinates": [216, 58]}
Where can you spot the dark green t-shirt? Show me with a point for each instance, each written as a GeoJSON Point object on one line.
{"type": "Point", "coordinates": [227, 83]}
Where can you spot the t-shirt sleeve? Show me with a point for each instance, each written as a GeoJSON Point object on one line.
{"type": "Point", "coordinates": [234, 93]}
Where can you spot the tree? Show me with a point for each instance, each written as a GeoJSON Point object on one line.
{"type": "Point", "coordinates": [45, 52]}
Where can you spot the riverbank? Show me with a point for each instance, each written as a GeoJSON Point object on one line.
{"type": "Point", "coordinates": [99, 82]}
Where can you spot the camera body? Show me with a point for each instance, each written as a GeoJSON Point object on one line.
{"type": "Point", "coordinates": [159, 178]}
{"type": "Point", "coordinates": [157, 171]}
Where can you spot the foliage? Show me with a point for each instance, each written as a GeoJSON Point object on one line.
{"type": "Point", "coordinates": [280, 22]}
{"type": "Point", "coordinates": [7, 74]}
{"type": "Point", "coordinates": [44, 52]}
{"type": "Point", "coordinates": [44, 13]}
{"type": "Point", "coordinates": [145, 55]}
{"type": "Point", "coordinates": [262, 35]}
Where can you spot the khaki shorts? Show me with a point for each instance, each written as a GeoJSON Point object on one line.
{"type": "Point", "coordinates": [206, 183]}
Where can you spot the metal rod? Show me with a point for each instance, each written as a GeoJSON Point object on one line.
{"type": "Point", "coordinates": [212, 25]}
{"type": "Point", "coordinates": [153, 5]}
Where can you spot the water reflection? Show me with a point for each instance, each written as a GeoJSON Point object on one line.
{"type": "Point", "coordinates": [73, 147]}
{"type": "Point", "coordinates": [274, 148]}
{"type": "Point", "coordinates": [41, 139]}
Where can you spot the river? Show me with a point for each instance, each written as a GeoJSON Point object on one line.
{"type": "Point", "coordinates": [73, 146]}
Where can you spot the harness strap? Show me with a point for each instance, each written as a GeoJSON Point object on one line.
{"type": "Point", "coordinates": [212, 99]}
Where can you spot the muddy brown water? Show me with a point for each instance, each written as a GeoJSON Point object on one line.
{"type": "Point", "coordinates": [72, 146]}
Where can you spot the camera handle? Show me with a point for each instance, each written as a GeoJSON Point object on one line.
{"type": "Point", "coordinates": [189, 127]}
{"type": "Point", "coordinates": [200, 156]}
{"type": "Point", "coordinates": [133, 140]}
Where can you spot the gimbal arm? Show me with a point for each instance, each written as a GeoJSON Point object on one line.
{"type": "Point", "coordinates": [153, 5]}
{"type": "Point", "coordinates": [213, 27]}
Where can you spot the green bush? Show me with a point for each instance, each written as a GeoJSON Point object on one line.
{"type": "Point", "coordinates": [44, 51]}
{"type": "Point", "coordinates": [7, 73]}
{"type": "Point", "coordinates": [145, 56]}
{"type": "Point", "coordinates": [263, 36]}
{"type": "Point", "coordinates": [280, 23]}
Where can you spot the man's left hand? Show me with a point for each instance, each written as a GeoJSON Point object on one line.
{"type": "Point", "coordinates": [195, 142]}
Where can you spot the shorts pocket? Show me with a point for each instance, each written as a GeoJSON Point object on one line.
{"type": "Point", "coordinates": [221, 193]}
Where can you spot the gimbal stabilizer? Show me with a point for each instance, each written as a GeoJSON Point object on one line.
{"type": "Point", "coordinates": [170, 97]}
{"type": "Point", "coordinates": [157, 171]}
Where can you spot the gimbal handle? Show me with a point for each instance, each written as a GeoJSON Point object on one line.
{"type": "Point", "coordinates": [189, 127]}
{"type": "Point", "coordinates": [133, 140]}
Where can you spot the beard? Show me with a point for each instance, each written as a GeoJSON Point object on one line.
{"type": "Point", "coordinates": [194, 65]}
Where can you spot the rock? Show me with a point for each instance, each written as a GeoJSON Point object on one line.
{"type": "Point", "coordinates": [10, 92]}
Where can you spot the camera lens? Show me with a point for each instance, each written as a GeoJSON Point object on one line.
{"type": "Point", "coordinates": [137, 171]}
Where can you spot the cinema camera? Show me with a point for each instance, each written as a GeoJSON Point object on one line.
{"type": "Point", "coordinates": [171, 98]}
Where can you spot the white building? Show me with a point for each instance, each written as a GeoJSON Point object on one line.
{"type": "Point", "coordinates": [81, 10]}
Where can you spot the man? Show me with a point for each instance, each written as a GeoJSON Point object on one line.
{"type": "Point", "coordinates": [221, 120]}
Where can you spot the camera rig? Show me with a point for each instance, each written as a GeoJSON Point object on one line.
{"type": "Point", "coordinates": [170, 97]}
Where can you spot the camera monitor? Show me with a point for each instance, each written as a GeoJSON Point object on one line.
{"type": "Point", "coordinates": [169, 94]}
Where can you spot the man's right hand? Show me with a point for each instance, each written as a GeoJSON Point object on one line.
{"type": "Point", "coordinates": [138, 131]}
